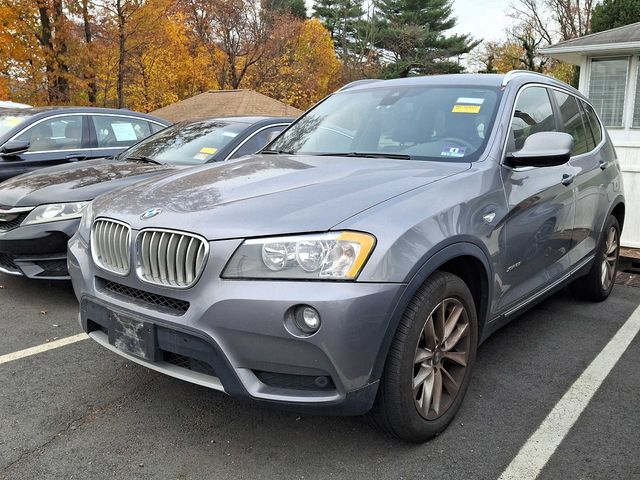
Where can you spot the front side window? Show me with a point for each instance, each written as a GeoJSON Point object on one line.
{"type": "Point", "coordinates": [58, 133]}
{"type": "Point", "coordinates": [113, 131]}
{"type": "Point", "coordinates": [533, 114]}
{"type": "Point", "coordinates": [187, 143]}
{"type": "Point", "coordinates": [607, 86]}
{"type": "Point", "coordinates": [444, 123]}
{"type": "Point", "coordinates": [572, 122]}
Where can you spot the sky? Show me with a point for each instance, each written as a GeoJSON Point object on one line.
{"type": "Point", "coordinates": [483, 19]}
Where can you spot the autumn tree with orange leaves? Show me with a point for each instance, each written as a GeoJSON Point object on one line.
{"type": "Point", "coordinates": [144, 54]}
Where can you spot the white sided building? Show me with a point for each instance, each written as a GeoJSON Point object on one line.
{"type": "Point", "coordinates": [609, 64]}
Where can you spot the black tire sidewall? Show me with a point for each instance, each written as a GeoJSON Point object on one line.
{"type": "Point", "coordinates": [438, 288]}
{"type": "Point", "coordinates": [601, 255]}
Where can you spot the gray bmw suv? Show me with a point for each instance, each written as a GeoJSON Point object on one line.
{"type": "Point", "coordinates": [356, 263]}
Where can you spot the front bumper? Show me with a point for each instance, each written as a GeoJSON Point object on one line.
{"type": "Point", "coordinates": [37, 251]}
{"type": "Point", "coordinates": [236, 328]}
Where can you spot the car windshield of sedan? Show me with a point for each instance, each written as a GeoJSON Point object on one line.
{"type": "Point", "coordinates": [450, 123]}
{"type": "Point", "coordinates": [11, 120]}
{"type": "Point", "coordinates": [186, 144]}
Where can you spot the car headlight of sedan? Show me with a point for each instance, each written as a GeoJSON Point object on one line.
{"type": "Point", "coordinates": [326, 256]}
{"type": "Point", "coordinates": [55, 212]}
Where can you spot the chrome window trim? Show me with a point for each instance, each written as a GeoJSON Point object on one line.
{"type": "Point", "coordinates": [77, 114]}
{"type": "Point", "coordinates": [513, 111]}
{"type": "Point", "coordinates": [97, 262]}
{"type": "Point", "coordinates": [137, 259]}
{"type": "Point", "coordinates": [261, 129]}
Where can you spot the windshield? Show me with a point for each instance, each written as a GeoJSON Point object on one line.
{"type": "Point", "coordinates": [13, 119]}
{"type": "Point", "coordinates": [187, 144]}
{"type": "Point", "coordinates": [418, 122]}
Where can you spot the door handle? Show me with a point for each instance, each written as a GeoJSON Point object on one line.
{"type": "Point", "coordinates": [75, 158]}
{"type": "Point", "coordinates": [603, 165]}
{"type": "Point", "coordinates": [567, 179]}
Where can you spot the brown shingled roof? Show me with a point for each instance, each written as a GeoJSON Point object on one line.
{"type": "Point", "coordinates": [225, 103]}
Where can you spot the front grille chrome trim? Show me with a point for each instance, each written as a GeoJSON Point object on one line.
{"type": "Point", "coordinates": [170, 258]}
{"type": "Point", "coordinates": [111, 246]}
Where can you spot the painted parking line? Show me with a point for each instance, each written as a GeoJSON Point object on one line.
{"type": "Point", "coordinates": [540, 446]}
{"type": "Point", "coordinates": [27, 352]}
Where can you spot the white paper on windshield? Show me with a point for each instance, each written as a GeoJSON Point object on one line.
{"type": "Point", "coordinates": [124, 132]}
{"type": "Point", "coordinates": [471, 101]}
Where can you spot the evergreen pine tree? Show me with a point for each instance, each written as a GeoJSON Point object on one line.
{"type": "Point", "coordinates": [614, 13]}
{"type": "Point", "coordinates": [341, 17]}
{"type": "Point", "coordinates": [297, 8]}
{"type": "Point", "coordinates": [413, 32]}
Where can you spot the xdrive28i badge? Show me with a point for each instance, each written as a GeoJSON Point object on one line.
{"type": "Point", "coordinates": [152, 212]}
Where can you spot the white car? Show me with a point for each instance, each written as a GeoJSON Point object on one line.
{"type": "Point", "coordinates": [8, 104]}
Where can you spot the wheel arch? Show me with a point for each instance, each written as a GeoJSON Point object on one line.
{"type": "Point", "coordinates": [465, 259]}
{"type": "Point", "coordinates": [618, 211]}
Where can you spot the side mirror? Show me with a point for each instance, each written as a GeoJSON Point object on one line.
{"type": "Point", "coordinates": [14, 147]}
{"type": "Point", "coordinates": [542, 149]}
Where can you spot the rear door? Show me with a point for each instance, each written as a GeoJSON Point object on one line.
{"type": "Point", "coordinates": [113, 133]}
{"type": "Point", "coordinates": [589, 160]}
{"type": "Point", "coordinates": [541, 208]}
{"type": "Point", "coordinates": [53, 140]}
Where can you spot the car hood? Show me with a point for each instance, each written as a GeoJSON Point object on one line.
{"type": "Point", "coordinates": [270, 195]}
{"type": "Point", "coordinates": [74, 182]}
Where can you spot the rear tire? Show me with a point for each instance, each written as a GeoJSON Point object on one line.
{"type": "Point", "coordinates": [597, 285]}
{"type": "Point", "coordinates": [428, 367]}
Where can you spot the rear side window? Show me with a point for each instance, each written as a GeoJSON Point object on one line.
{"type": "Point", "coordinates": [114, 131]}
{"type": "Point", "coordinates": [573, 123]}
{"type": "Point", "coordinates": [596, 127]}
{"type": "Point", "coordinates": [533, 114]}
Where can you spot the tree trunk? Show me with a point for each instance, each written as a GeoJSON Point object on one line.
{"type": "Point", "coordinates": [62, 71]}
{"type": "Point", "coordinates": [92, 88]}
{"type": "Point", "coordinates": [121, 52]}
{"type": "Point", "coordinates": [45, 41]}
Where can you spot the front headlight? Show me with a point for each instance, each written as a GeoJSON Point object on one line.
{"type": "Point", "coordinates": [55, 212]}
{"type": "Point", "coordinates": [327, 256]}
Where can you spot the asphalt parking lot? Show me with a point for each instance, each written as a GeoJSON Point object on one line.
{"type": "Point", "coordinates": [82, 412]}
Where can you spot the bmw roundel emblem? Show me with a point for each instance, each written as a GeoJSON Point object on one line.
{"type": "Point", "coordinates": [152, 212]}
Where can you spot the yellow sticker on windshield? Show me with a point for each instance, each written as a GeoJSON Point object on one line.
{"type": "Point", "coordinates": [208, 150]}
{"type": "Point", "coordinates": [466, 108]}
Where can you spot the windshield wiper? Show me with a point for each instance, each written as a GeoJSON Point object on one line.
{"type": "Point", "coordinates": [395, 156]}
{"type": "Point", "coordinates": [276, 152]}
{"type": "Point", "coordinates": [143, 159]}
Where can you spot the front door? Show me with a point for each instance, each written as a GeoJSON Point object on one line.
{"type": "Point", "coordinates": [541, 207]}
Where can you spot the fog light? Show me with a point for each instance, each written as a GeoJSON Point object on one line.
{"type": "Point", "coordinates": [307, 319]}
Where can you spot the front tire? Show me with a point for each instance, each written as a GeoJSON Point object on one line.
{"type": "Point", "coordinates": [597, 285]}
{"type": "Point", "coordinates": [429, 363]}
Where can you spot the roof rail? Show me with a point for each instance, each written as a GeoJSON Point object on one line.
{"type": "Point", "coordinates": [355, 83]}
{"type": "Point", "coordinates": [514, 73]}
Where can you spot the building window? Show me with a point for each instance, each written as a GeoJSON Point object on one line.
{"type": "Point", "coordinates": [636, 106]}
{"type": "Point", "coordinates": [607, 85]}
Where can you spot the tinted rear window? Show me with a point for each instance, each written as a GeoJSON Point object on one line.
{"type": "Point", "coordinates": [596, 127]}
{"type": "Point", "coordinates": [573, 123]}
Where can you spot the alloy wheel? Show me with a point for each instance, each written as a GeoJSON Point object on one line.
{"type": "Point", "coordinates": [441, 358]}
{"type": "Point", "coordinates": [611, 247]}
